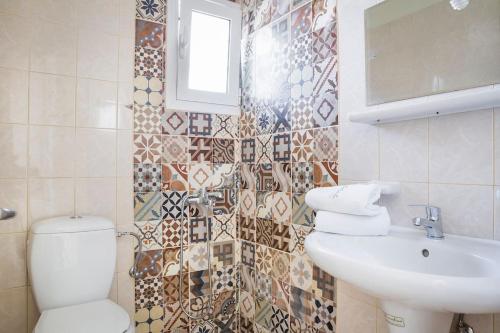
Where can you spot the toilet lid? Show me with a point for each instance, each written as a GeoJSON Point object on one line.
{"type": "Point", "coordinates": [96, 317]}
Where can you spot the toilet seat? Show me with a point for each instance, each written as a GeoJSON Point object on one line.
{"type": "Point", "coordinates": [102, 316]}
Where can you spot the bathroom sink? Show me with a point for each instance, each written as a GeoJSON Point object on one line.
{"type": "Point", "coordinates": [410, 273]}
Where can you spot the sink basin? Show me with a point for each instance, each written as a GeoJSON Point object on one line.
{"type": "Point", "coordinates": [417, 279]}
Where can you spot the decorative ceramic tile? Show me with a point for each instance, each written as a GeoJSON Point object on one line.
{"type": "Point", "coordinates": [282, 116]}
{"type": "Point", "coordinates": [281, 147]}
{"type": "Point", "coordinates": [301, 52]}
{"type": "Point", "coordinates": [261, 329]}
{"type": "Point", "coordinates": [325, 174]}
{"type": "Point", "coordinates": [246, 324]}
{"type": "Point", "coordinates": [171, 233]}
{"type": "Point", "coordinates": [263, 259]}
{"type": "Point", "coordinates": [281, 294]}
{"type": "Point", "coordinates": [175, 149]}
{"type": "Point", "coordinates": [222, 254]}
{"type": "Point", "coordinates": [302, 177]}
{"type": "Point", "coordinates": [248, 203]}
{"type": "Point", "coordinates": [199, 283]}
{"type": "Point", "coordinates": [148, 91]}
{"type": "Point", "coordinates": [282, 177]}
{"type": "Point", "coordinates": [323, 314]}
{"type": "Point", "coordinates": [247, 304]}
{"type": "Point", "coordinates": [151, 234]}
{"type": "Point", "coordinates": [281, 266]}
{"type": "Point", "coordinates": [324, 43]}
{"type": "Point", "coordinates": [226, 205]}
{"type": "Point", "coordinates": [172, 205]}
{"type": "Point", "coordinates": [263, 13]}
{"type": "Point", "coordinates": [302, 146]}
{"type": "Point", "coordinates": [279, 8]}
{"type": "Point", "coordinates": [152, 10]}
{"type": "Point", "coordinates": [263, 286]}
{"type": "Point", "coordinates": [225, 126]}
{"type": "Point", "coordinates": [323, 284]}
{"type": "Point", "coordinates": [148, 293]}
{"type": "Point", "coordinates": [247, 124]}
{"type": "Point", "coordinates": [302, 113]}
{"type": "Point", "coordinates": [225, 176]}
{"type": "Point", "coordinates": [224, 278]}
{"type": "Point", "coordinates": [301, 272]}
{"type": "Point", "coordinates": [324, 13]}
{"type": "Point", "coordinates": [223, 227]}
{"type": "Point", "coordinates": [198, 257]}
{"type": "Point", "coordinates": [298, 234]}
{"type": "Point", "coordinates": [174, 177]}
{"type": "Point", "coordinates": [300, 303]}
{"type": "Point", "coordinates": [264, 177]}
{"type": "Point", "coordinates": [301, 20]}
{"type": "Point", "coordinates": [174, 123]}
{"type": "Point", "coordinates": [171, 261]}
{"type": "Point", "coordinates": [201, 149]}
{"type": "Point", "coordinates": [247, 255]}
{"type": "Point", "coordinates": [147, 206]}
{"type": "Point", "coordinates": [248, 178]}
{"type": "Point", "coordinates": [299, 326]}
{"type": "Point", "coordinates": [172, 288]}
{"type": "Point", "coordinates": [147, 177]}
{"type": "Point", "coordinates": [301, 80]}
{"type": "Point", "coordinates": [248, 21]}
{"type": "Point", "coordinates": [281, 236]}
{"type": "Point", "coordinates": [147, 148]}
{"type": "Point", "coordinates": [224, 307]}
{"type": "Point", "coordinates": [200, 176]}
{"type": "Point", "coordinates": [263, 231]}
{"type": "Point", "coordinates": [326, 144]}
{"type": "Point", "coordinates": [148, 62]}
{"type": "Point", "coordinates": [223, 151]}
{"type": "Point", "coordinates": [279, 320]}
{"type": "Point", "coordinates": [149, 320]}
{"type": "Point", "coordinates": [247, 228]}
{"type": "Point", "coordinates": [264, 205]}
{"type": "Point", "coordinates": [264, 119]}
{"type": "Point", "coordinates": [200, 124]}
{"type": "Point", "coordinates": [198, 229]}
{"type": "Point", "coordinates": [264, 151]}
{"type": "Point", "coordinates": [175, 319]}
{"type": "Point", "coordinates": [325, 91]}
{"type": "Point", "coordinates": [248, 150]}
{"type": "Point", "coordinates": [149, 34]}
{"type": "Point", "coordinates": [302, 214]}
{"type": "Point", "coordinates": [147, 119]}
{"type": "Point", "coordinates": [282, 207]}
{"type": "Point", "coordinates": [150, 263]}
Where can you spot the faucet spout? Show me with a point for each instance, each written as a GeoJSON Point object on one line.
{"type": "Point", "coordinates": [431, 223]}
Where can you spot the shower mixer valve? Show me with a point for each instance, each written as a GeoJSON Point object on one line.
{"type": "Point", "coordinates": [205, 198]}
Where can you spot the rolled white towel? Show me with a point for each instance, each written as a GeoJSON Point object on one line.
{"type": "Point", "coordinates": [346, 224]}
{"type": "Point", "coordinates": [357, 199]}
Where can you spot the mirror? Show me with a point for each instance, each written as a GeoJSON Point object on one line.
{"type": "Point", "coordinates": [418, 48]}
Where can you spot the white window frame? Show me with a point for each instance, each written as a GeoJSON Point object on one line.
{"type": "Point", "coordinates": [178, 95]}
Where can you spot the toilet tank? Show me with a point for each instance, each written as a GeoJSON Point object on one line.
{"type": "Point", "coordinates": [71, 260]}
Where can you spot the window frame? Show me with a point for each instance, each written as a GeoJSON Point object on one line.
{"type": "Point", "coordinates": [178, 95]}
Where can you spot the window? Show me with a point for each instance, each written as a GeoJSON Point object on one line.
{"type": "Point", "coordinates": [203, 55]}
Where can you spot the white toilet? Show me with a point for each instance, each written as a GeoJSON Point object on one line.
{"type": "Point", "coordinates": [71, 265]}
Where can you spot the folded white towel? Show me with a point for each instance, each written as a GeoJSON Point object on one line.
{"type": "Point", "coordinates": [346, 224]}
{"type": "Point", "coordinates": [357, 199]}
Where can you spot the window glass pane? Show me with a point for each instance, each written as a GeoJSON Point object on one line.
{"type": "Point", "coordinates": [209, 53]}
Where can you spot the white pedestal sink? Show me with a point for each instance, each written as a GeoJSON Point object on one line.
{"type": "Point", "coordinates": [420, 282]}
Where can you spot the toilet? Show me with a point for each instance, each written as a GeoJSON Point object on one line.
{"type": "Point", "coordinates": [71, 265]}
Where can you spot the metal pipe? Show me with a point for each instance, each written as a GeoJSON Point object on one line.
{"type": "Point", "coordinates": [134, 270]}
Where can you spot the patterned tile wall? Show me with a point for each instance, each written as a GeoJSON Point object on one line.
{"type": "Point", "coordinates": [289, 145]}
{"type": "Point", "coordinates": [177, 153]}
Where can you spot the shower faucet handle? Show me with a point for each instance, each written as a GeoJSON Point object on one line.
{"type": "Point", "coordinates": [7, 214]}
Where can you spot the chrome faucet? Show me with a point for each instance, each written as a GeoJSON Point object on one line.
{"type": "Point", "coordinates": [431, 223]}
{"type": "Point", "coordinates": [205, 198]}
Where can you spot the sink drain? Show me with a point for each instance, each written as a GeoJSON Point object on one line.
{"type": "Point", "coordinates": [425, 253]}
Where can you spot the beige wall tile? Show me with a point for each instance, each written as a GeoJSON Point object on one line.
{"type": "Point", "coordinates": [14, 40]}
{"type": "Point", "coordinates": [20, 7]}
{"type": "Point", "coordinates": [101, 15]}
{"type": "Point", "coordinates": [56, 11]}
{"type": "Point", "coordinates": [51, 197]}
{"type": "Point", "coordinates": [53, 48]}
{"type": "Point", "coordinates": [33, 313]}
{"type": "Point", "coordinates": [354, 316]}
{"type": "Point", "coordinates": [398, 205]}
{"type": "Point", "coordinates": [480, 323]}
{"type": "Point", "coordinates": [125, 150]}
{"type": "Point", "coordinates": [13, 96]}
{"type": "Point", "coordinates": [95, 152]}
{"type": "Point", "coordinates": [96, 103]}
{"type": "Point", "coordinates": [125, 252]}
{"type": "Point", "coordinates": [96, 196]}
{"type": "Point", "coordinates": [13, 149]}
{"type": "Point", "coordinates": [13, 263]}
{"type": "Point", "coordinates": [125, 201]}
{"type": "Point", "coordinates": [125, 116]}
{"type": "Point", "coordinates": [127, 18]}
{"type": "Point", "coordinates": [52, 151]}
{"type": "Point", "coordinates": [13, 310]}
{"type": "Point", "coordinates": [126, 59]}
{"type": "Point", "coordinates": [126, 294]}
{"type": "Point", "coordinates": [52, 100]}
{"type": "Point", "coordinates": [13, 195]}
{"type": "Point", "coordinates": [97, 55]}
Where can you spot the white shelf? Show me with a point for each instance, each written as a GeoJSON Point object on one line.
{"type": "Point", "coordinates": [430, 106]}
